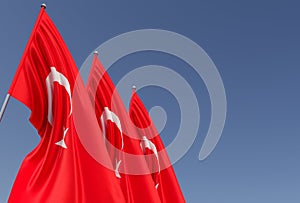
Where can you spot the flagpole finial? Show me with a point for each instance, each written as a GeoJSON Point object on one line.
{"type": "Point", "coordinates": [96, 52]}
{"type": "Point", "coordinates": [44, 6]}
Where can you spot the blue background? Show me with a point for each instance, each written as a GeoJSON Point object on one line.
{"type": "Point", "coordinates": [255, 46]}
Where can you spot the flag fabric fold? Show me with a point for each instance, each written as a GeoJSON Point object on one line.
{"type": "Point", "coordinates": [157, 158]}
{"type": "Point", "coordinates": [59, 169]}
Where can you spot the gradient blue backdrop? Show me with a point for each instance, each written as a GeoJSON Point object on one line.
{"type": "Point", "coordinates": [256, 47]}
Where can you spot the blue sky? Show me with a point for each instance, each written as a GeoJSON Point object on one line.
{"type": "Point", "coordinates": [254, 44]}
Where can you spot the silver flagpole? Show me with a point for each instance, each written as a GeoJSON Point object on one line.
{"type": "Point", "coordinates": [4, 106]}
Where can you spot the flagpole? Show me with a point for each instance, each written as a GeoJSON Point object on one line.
{"type": "Point", "coordinates": [133, 88]}
{"type": "Point", "coordinates": [4, 106]}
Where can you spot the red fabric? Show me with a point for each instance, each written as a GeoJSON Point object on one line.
{"type": "Point", "coordinates": [51, 173]}
{"type": "Point", "coordinates": [136, 188]}
{"type": "Point", "coordinates": [168, 188]}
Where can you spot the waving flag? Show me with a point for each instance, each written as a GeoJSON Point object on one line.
{"type": "Point", "coordinates": [112, 117]}
{"type": "Point", "coordinates": [59, 169]}
{"type": "Point", "coordinates": [165, 179]}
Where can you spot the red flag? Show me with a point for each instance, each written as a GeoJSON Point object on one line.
{"type": "Point", "coordinates": [112, 117]}
{"type": "Point", "coordinates": [156, 156]}
{"type": "Point", "coordinates": [59, 169]}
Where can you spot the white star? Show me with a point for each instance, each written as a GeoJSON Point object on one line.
{"type": "Point", "coordinates": [62, 142]}
{"type": "Point", "coordinates": [118, 163]}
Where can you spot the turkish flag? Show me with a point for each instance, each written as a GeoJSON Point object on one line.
{"type": "Point", "coordinates": [124, 149]}
{"type": "Point", "coordinates": [157, 158]}
{"type": "Point", "coordinates": [59, 169]}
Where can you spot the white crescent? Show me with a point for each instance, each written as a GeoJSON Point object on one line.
{"type": "Point", "coordinates": [55, 76]}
